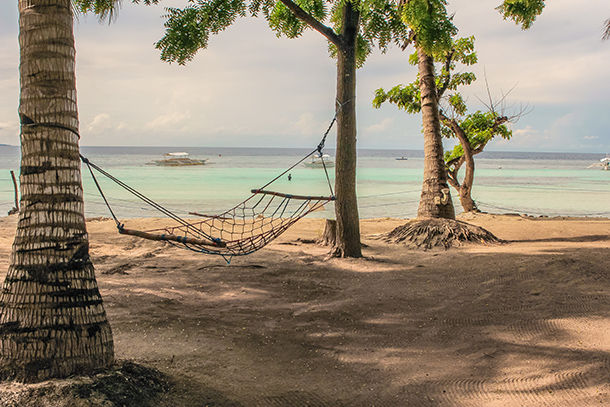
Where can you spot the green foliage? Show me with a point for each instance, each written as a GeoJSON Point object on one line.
{"type": "Point", "coordinates": [457, 103]}
{"type": "Point", "coordinates": [522, 12]}
{"type": "Point", "coordinates": [480, 128]}
{"type": "Point", "coordinates": [266, 6]}
{"type": "Point", "coordinates": [380, 26]}
{"type": "Point", "coordinates": [431, 24]}
{"type": "Point", "coordinates": [189, 29]}
{"type": "Point", "coordinates": [284, 22]}
{"type": "Point", "coordinates": [407, 98]}
{"type": "Point", "coordinates": [104, 9]}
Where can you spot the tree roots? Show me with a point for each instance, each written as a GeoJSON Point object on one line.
{"type": "Point", "coordinates": [430, 233]}
{"type": "Point", "coordinates": [126, 384]}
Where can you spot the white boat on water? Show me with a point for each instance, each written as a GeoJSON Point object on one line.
{"type": "Point", "coordinates": [177, 160]}
{"type": "Point", "coordinates": [319, 161]}
{"type": "Point", "coordinates": [604, 163]}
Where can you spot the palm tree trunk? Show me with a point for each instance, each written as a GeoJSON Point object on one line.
{"type": "Point", "coordinates": [435, 201]}
{"type": "Point", "coordinates": [346, 206]}
{"type": "Point", "coordinates": [52, 320]}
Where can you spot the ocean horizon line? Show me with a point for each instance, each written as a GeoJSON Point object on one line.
{"type": "Point", "coordinates": [399, 152]}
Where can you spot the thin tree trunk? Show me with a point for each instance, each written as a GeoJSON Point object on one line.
{"type": "Point", "coordinates": [465, 191]}
{"type": "Point", "coordinates": [435, 201]}
{"type": "Point", "coordinates": [52, 320]}
{"type": "Point", "coordinates": [16, 188]}
{"type": "Point", "coordinates": [346, 205]}
{"type": "Point", "coordinates": [465, 188]}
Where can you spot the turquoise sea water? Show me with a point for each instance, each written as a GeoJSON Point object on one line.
{"type": "Point", "coordinates": [530, 183]}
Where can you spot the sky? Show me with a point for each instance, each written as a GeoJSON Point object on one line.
{"type": "Point", "coordinates": [250, 88]}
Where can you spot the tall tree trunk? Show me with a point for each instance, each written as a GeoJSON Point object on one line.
{"type": "Point", "coordinates": [346, 205]}
{"type": "Point", "coordinates": [52, 320]}
{"type": "Point", "coordinates": [435, 201]}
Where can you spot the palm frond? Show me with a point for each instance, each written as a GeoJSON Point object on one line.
{"type": "Point", "coordinates": [606, 35]}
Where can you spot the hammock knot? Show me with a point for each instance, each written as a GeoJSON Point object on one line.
{"type": "Point", "coordinates": [219, 242]}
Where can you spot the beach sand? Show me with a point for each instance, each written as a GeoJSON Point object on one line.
{"type": "Point", "coordinates": [525, 323]}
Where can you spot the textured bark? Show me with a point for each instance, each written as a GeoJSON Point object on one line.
{"type": "Point", "coordinates": [346, 205]}
{"type": "Point", "coordinates": [52, 320]}
{"type": "Point", "coordinates": [329, 237]}
{"type": "Point", "coordinates": [435, 201]}
{"type": "Point", "coordinates": [465, 187]}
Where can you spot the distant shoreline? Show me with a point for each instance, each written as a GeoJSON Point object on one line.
{"type": "Point", "coordinates": [397, 152]}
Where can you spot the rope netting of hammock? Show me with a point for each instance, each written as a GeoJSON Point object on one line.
{"type": "Point", "coordinates": [242, 230]}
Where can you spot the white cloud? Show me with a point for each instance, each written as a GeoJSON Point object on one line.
{"type": "Point", "coordinates": [167, 122]}
{"type": "Point", "coordinates": [9, 133]}
{"type": "Point", "coordinates": [308, 126]}
{"type": "Point", "coordinates": [99, 124]}
{"type": "Point", "coordinates": [380, 127]}
{"type": "Point", "coordinates": [252, 88]}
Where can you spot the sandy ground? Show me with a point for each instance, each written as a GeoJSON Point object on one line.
{"type": "Point", "coordinates": [521, 324]}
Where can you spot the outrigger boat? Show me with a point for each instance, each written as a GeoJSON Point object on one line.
{"type": "Point", "coordinates": [604, 163]}
{"type": "Point", "coordinates": [177, 160]}
{"type": "Point", "coordinates": [319, 161]}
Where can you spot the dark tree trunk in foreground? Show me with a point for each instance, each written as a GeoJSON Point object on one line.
{"type": "Point", "coordinates": [52, 320]}
{"type": "Point", "coordinates": [435, 201]}
{"type": "Point", "coordinates": [346, 205]}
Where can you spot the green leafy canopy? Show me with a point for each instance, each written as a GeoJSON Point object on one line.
{"type": "Point", "coordinates": [432, 26]}
{"type": "Point", "coordinates": [104, 9]}
{"type": "Point", "coordinates": [189, 29]}
{"type": "Point", "coordinates": [522, 12]}
{"type": "Point", "coordinates": [408, 97]}
{"type": "Point", "coordinates": [480, 128]}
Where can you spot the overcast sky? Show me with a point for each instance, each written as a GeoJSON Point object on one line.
{"type": "Point", "coordinates": [252, 89]}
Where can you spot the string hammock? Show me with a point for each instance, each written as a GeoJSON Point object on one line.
{"type": "Point", "coordinates": [243, 229]}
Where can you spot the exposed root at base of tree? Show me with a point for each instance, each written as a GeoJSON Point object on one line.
{"type": "Point", "coordinates": [125, 384]}
{"type": "Point", "coordinates": [430, 233]}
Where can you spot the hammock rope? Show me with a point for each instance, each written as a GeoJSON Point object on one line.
{"type": "Point", "coordinates": [239, 231]}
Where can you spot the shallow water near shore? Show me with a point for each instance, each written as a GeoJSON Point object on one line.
{"type": "Point", "coordinates": [527, 183]}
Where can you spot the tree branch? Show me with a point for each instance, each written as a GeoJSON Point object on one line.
{"type": "Point", "coordinates": [606, 35]}
{"type": "Point", "coordinates": [314, 23]}
{"type": "Point", "coordinates": [448, 59]}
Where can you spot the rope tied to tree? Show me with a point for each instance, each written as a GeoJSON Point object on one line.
{"type": "Point", "coordinates": [242, 230]}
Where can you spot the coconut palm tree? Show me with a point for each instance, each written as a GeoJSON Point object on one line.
{"type": "Point", "coordinates": [52, 320]}
{"type": "Point", "coordinates": [606, 35]}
